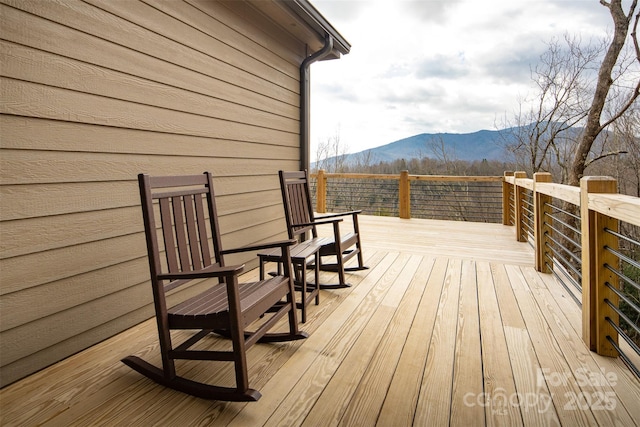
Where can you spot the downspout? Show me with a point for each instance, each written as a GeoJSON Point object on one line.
{"type": "Point", "coordinates": [305, 89]}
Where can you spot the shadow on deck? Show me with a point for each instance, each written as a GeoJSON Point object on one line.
{"type": "Point", "coordinates": [451, 325]}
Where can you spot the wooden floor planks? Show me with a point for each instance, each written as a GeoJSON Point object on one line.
{"type": "Point", "coordinates": [451, 325]}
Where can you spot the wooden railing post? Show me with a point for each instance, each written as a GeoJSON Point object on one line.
{"type": "Point", "coordinates": [521, 235]}
{"type": "Point", "coordinates": [507, 188]}
{"type": "Point", "coordinates": [542, 219]}
{"type": "Point", "coordinates": [321, 192]}
{"type": "Point", "coordinates": [595, 275]}
{"type": "Point", "coordinates": [405, 195]}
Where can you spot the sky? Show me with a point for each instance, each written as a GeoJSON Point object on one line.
{"type": "Point", "coordinates": [427, 66]}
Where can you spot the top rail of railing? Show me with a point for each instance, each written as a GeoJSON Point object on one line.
{"type": "Point", "coordinates": [438, 178]}
{"type": "Point", "coordinates": [440, 201]}
{"type": "Point", "coordinates": [620, 206]}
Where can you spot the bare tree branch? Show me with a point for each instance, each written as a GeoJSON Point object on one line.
{"type": "Point", "coordinates": [604, 155]}
{"type": "Point", "coordinates": [623, 109]}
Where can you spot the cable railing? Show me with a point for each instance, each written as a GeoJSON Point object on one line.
{"type": "Point", "coordinates": [627, 307]}
{"type": "Point", "coordinates": [563, 258]}
{"type": "Point", "coordinates": [586, 236]}
{"type": "Point", "coordinates": [462, 198]}
{"type": "Point", "coordinates": [527, 216]}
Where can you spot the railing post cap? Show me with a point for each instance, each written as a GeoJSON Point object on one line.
{"type": "Point", "coordinates": [542, 177]}
{"type": "Point", "coordinates": [596, 178]}
{"type": "Point", "coordinates": [598, 184]}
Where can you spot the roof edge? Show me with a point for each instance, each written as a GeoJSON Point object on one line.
{"type": "Point", "coordinates": [312, 17]}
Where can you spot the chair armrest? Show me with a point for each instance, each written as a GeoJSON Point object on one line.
{"type": "Point", "coordinates": [335, 215]}
{"type": "Point", "coordinates": [304, 224]}
{"type": "Point", "coordinates": [213, 271]}
{"type": "Point", "coordinates": [277, 244]}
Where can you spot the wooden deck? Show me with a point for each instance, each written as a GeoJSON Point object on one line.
{"type": "Point", "coordinates": [451, 325]}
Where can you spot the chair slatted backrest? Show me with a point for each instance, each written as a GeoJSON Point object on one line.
{"type": "Point", "coordinates": [188, 221]}
{"type": "Point", "coordinates": [297, 203]}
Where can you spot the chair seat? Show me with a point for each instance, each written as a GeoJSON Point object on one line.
{"type": "Point", "coordinates": [211, 307]}
{"type": "Point", "coordinates": [347, 240]}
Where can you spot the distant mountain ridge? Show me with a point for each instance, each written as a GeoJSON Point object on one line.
{"type": "Point", "coordinates": [483, 144]}
{"type": "Point", "coordinates": [474, 146]}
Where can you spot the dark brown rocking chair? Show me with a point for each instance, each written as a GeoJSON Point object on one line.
{"type": "Point", "coordinates": [300, 218]}
{"type": "Point", "coordinates": [191, 251]}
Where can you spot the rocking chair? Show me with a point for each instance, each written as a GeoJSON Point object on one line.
{"type": "Point", "coordinates": [191, 251]}
{"type": "Point", "coordinates": [300, 219]}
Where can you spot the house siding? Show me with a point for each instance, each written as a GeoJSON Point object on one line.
{"type": "Point", "coordinates": [94, 93]}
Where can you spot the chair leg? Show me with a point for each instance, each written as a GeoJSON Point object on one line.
{"type": "Point", "coordinates": [340, 262]}
{"type": "Point", "coordinates": [291, 299]}
{"type": "Point", "coordinates": [317, 276]}
{"type": "Point", "coordinates": [360, 258]}
{"type": "Point", "coordinates": [338, 267]}
{"type": "Point", "coordinates": [239, 356]}
{"type": "Point", "coordinates": [303, 282]}
{"type": "Point", "coordinates": [360, 265]}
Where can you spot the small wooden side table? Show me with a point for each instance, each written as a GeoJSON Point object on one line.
{"type": "Point", "coordinates": [302, 254]}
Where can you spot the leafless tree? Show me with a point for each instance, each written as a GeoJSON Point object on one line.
{"type": "Point", "coordinates": [559, 130]}
{"type": "Point", "coordinates": [543, 130]}
{"type": "Point", "coordinates": [595, 124]}
{"type": "Point", "coordinates": [446, 155]}
{"type": "Point", "coordinates": [621, 139]}
{"type": "Point", "coordinates": [331, 154]}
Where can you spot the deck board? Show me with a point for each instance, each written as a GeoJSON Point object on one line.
{"type": "Point", "coordinates": [451, 325]}
{"type": "Point", "coordinates": [467, 373]}
{"type": "Point", "coordinates": [497, 375]}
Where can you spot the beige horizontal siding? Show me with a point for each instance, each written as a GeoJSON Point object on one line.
{"type": "Point", "coordinates": [25, 63]}
{"type": "Point", "coordinates": [30, 166]}
{"type": "Point", "coordinates": [54, 135]}
{"type": "Point", "coordinates": [35, 100]}
{"type": "Point", "coordinates": [37, 200]}
{"type": "Point", "coordinates": [95, 92]}
{"type": "Point", "coordinates": [247, 33]}
{"type": "Point", "coordinates": [81, 20]}
{"type": "Point", "coordinates": [33, 235]}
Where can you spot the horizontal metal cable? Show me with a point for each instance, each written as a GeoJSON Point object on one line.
{"type": "Point", "coordinates": [566, 263]}
{"type": "Point", "coordinates": [633, 368]}
{"type": "Point", "coordinates": [625, 298]}
{"type": "Point", "coordinates": [624, 316]}
{"type": "Point", "coordinates": [564, 285]}
{"type": "Point", "coordinates": [557, 208]}
{"type": "Point", "coordinates": [624, 335]}
{"type": "Point", "coordinates": [623, 257]}
{"type": "Point", "coordinates": [570, 267]}
{"type": "Point", "coordinates": [564, 249]}
{"type": "Point", "coordinates": [572, 228]}
{"type": "Point", "coordinates": [624, 278]}
{"type": "Point", "coordinates": [622, 236]}
{"type": "Point", "coordinates": [576, 244]}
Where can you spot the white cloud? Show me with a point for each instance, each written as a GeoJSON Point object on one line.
{"type": "Point", "coordinates": [434, 66]}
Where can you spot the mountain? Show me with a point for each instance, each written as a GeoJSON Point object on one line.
{"type": "Point", "coordinates": [484, 144]}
